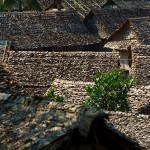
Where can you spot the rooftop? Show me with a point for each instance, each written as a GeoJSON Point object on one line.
{"type": "Point", "coordinates": [141, 27]}
{"type": "Point", "coordinates": [28, 123]}
{"type": "Point", "coordinates": [134, 32]}
{"type": "Point", "coordinates": [83, 7]}
{"type": "Point", "coordinates": [29, 30]}
{"type": "Point", "coordinates": [34, 124]}
{"type": "Point", "coordinates": [114, 18]}
{"type": "Point", "coordinates": [75, 92]}
{"type": "Point", "coordinates": [131, 3]}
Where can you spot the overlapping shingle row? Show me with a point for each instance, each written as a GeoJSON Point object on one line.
{"type": "Point", "coordinates": [29, 30]}
{"type": "Point", "coordinates": [134, 32]}
{"type": "Point", "coordinates": [28, 123]}
{"type": "Point", "coordinates": [131, 3]}
{"type": "Point", "coordinates": [112, 19]}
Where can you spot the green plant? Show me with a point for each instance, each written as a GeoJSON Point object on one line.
{"type": "Point", "coordinates": [76, 5]}
{"type": "Point", "coordinates": [109, 91]}
{"type": "Point", "coordinates": [54, 97]}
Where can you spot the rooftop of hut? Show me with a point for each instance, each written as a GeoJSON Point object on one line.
{"type": "Point", "coordinates": [112, 19]}
{"type": "Point", "coordinates": [81, 6]}
{"type": "Point", "coordinates": [135, 31]}
{"type": "Point", "coordinates": [28, 123]}
{"type": "Point", "coordinates": [29, 30]}
{"type": "Point", "coordinates": [128, 3]}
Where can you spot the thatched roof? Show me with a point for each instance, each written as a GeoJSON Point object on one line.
{"type": "Point", "coordinates": [32, 72]}
{"type": "Point", "coordinates": [81, 6]}
{"type": "Point", "coordinates": [92, 4]}
{"type": "Point", "coordinates": [139, 98]}
{"type": "Point", "coordinates": [141, 49]}
{"type": "Point", "coordinates": [28, 123]}
{"type": "Point", "coordinates": [135, 31]}
{"type": "Point", "coordinates": [72, 91]}
{"type": "Point", "coordinates": [112, 19]}
{"type": "Point", "coordinates": [141, 27]}
{"type": "Point", "coordinates": [75, 92]}
{"type": "Point", "coordinates": [131, 3]}
{"type": "Point", "coordinates": [35, 124]}
{"type": "Point", "coordinates": [28, 30]}
{"type": "Point", "coordinates": [132, 126]}
{"type": "Point", "coordinates": [46, 3]}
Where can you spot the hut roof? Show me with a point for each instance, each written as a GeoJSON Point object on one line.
{"type": "Point", "coordinates": [132, 126]}
{"type": "Point", "coordinates": [45, 3]}
{"type": "Point", "coordinates": [75, 92]}
{"type": "Point", "coordinates": [112, 19]}
{"type": "Point", "coordinates": [141, 49]}
{"type": "Point", "coordinates": [131, 3]}
{"type": "Point", "coordinates": [81, 6]}
{"type": "Point", "coordinates": [121, 38]}
{"type": "Point", "coordinates": [35, 125]}
{"type": "Point", "coordinates": [87, 3]}
{"type": "Point", "coordinates": [92, 4]}
{"type": "Point", "coordinates": [72, 91]}
{"type": "Point", "coordinates": [28, 123]}
{"type": "Point", "coordinates": [28, 30]}
{"type": "Point", "coordinates": [141, 26]}
{"type": "Point", "coordinates": [139, 98]}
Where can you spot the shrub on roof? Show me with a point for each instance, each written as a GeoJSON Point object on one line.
{"type": "Point", "coordinates": [109, 91]}
{"type": "Point", "coordinates": [52, 96]}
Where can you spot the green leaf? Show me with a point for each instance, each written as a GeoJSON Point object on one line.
{"type": "Point", "coordinates": [110, 91]}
